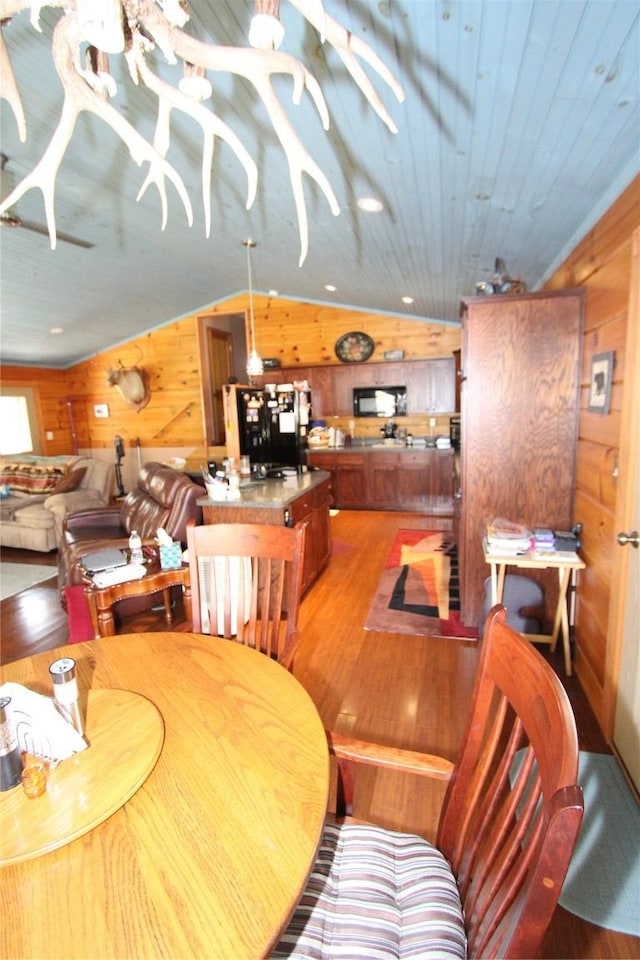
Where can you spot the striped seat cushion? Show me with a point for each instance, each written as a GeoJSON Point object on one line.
{"type": "Point", "coordinates": [375, 894]}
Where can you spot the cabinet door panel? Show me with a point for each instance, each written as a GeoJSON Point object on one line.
{"type": "Point", "coordinates": [382, 480]}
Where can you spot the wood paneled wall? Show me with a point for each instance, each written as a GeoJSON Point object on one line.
{"type": "Point", "coordinates": [306, 333]}
{"type": "Point", "coordinates": [173, 422]}
{"type": "Point", "coordinates": [601, 264]}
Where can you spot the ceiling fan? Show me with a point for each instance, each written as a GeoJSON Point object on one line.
{"type": "Point", "coordinates": [11, 218]}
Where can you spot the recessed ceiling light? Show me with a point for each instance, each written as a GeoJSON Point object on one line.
{"type": "Point", "coordinates": [56, 330]}
{"type": "Point", "coordinates": [407, 299]}
{"type": "Point", "coordinates": [330, 287]}
{"type": "Point", "coordinates": [369, 204]}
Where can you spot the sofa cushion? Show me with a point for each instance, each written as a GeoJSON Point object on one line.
{"type": "Point", "coordinates": [36, 516]}
{"type": "Point", "coordinates": [70, 481]}
{"type": "Point", "coordinates": [11, 505]}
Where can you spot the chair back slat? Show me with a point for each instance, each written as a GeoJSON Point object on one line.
{"type": "Point", "coordinates": [246, 581]}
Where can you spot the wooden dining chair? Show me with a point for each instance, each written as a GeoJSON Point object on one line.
{"type": "Point", "coordinates": [246, 582]}
{"type": "Point", "coordinates": [506, 834]}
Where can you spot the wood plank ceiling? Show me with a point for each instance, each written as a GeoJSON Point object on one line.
{"type": "Point", "coordinates": [520, 126]}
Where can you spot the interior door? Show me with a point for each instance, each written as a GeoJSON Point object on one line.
{"type": "Point", "coordinates": [219, 354]}
{"type": "Point", "coordinates": [626, 729]}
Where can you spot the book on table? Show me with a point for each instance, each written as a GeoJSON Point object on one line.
{"type": "Point", "coordinates": [506, 537]}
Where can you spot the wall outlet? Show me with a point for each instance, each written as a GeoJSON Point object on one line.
{"type": "Point", "coordinates": [432, 421]}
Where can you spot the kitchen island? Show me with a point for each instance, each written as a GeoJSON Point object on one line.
{"type": "Point", "coordinates": [389, 476]}
{"type": "Point", "coordinates": [287, 501]}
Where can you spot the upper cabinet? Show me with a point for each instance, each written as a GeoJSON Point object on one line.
{"type": "Point", "coordinates": [430, 384]}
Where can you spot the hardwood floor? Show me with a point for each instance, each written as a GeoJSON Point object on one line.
{"type": "Point", "coordinates": [376, 685]}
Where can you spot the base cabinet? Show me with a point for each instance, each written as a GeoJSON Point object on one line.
{"type": "Point", "coordinates": [421, 480]}
{"type": "Point", "coordinates": [312, 507]}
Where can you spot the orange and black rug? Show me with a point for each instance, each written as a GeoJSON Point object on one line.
{"type": "Point", "coordinates": [419, 591]}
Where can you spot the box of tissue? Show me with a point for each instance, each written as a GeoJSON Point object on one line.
{"type": "Point", "coordinates": [171, 556]}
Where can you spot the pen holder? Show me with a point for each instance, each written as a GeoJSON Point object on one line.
{"type": "Point", "coordinates": [171, 556]}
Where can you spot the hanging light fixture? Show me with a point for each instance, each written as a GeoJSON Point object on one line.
{"type": "Point", "coordinates": [255, 366]}
{"type": "Point", "coordinates": [134, 29]}
{"type": "Point", "coordinates": [266, 31]}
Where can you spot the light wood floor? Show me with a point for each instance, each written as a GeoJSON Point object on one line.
{"type": "Point", "coordinates": [376, 685]}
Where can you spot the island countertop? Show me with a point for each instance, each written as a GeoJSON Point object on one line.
{"type": "Point", "coordinates": [270, 493]}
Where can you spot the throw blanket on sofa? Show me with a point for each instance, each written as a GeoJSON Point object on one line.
{"type": "Point", "coordinates": [34, 474]}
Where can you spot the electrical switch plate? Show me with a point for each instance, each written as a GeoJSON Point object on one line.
{"type": "Point", "coordinates": [432, 421]}
{"type": "Point", "coordinates": [49, 434]}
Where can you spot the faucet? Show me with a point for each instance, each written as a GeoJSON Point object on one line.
{"type": "Point", "coordinates": [389, 430]}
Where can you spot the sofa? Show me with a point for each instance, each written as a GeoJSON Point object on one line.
{"type": "Point", "coordinates": [163, 497]}
{"type": "Point", "coordinates": [37, 493]}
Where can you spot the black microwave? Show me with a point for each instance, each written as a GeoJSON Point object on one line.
{"type": "Point", "coordinates": [380, 401]}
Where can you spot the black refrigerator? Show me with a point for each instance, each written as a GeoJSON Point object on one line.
{"type": "Point", "coordinates": [273, 424]}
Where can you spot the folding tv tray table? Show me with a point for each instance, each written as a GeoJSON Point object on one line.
{"type": "Point", "coordinates": [566, 563]}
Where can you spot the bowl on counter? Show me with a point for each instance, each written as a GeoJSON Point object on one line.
{"type": "Point", "coordinates": [176, 463]}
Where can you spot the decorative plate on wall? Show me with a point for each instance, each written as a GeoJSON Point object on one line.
{"type": "Point", "coordinates": [354, 347]}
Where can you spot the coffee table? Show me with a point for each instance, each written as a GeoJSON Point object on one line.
{"type": "Point", "coordinates": [101, 599]}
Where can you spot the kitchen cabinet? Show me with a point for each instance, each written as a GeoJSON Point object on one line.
{"type": "Point", "coordinates": [382, 479]}
{"type": "Point", "coordinates": [314, 508]}
{"type": "Point", "coordinates": [520, 405]}
{"type": "Point", "coordinates": [282, 503]}
{"type": "Point", "coordinates": [431, 384]}
{"type": "Point", "coordinates": [373, 479]}
{"type": "Point", "coordinates": [348, 475]}
{"type": "Point", "coordinates": [349, 479]}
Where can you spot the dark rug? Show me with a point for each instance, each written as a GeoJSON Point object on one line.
{"type": "Point", "coordinates": [419, 591]}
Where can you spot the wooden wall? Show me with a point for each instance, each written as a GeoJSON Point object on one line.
{"type": "Point", "coordinates": [306, 333]}
{"type": "Point", "coordinates": [173, 423]}
{"type": "Point", "coordinates": [601, 264]}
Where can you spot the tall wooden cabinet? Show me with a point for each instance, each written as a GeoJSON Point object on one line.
{"type": "Point", "coordinates": [519, 407]}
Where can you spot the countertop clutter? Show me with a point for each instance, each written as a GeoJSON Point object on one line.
{"type": "Point", "coordinates": [273, 492]}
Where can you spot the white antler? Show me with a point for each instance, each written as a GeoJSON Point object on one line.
{"type": "Point", "coordinates": [148, 22]}
{"type": "Point", "coordinates": [80, 96]}
{"type": "Point", "coordinates": [10, 90]}
{"type": "Point", "coordinates": [168, 98]}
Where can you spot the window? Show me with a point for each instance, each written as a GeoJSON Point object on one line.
{"type": "Point", "coordinates": [17, 422]}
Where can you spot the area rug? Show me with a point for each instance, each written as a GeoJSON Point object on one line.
{"type": "Point", "coordinates": [15, 577]}
{"type": "Point", "coordinates": [419, 591]}
{"type": "Point", "coordinates": [603, 882]}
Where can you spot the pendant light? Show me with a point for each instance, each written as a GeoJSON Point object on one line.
{"type": "Point", "coordinates": [255, 366]}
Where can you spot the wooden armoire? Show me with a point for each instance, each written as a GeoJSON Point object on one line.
{"type": "Point", "coordinates": [519, 410]}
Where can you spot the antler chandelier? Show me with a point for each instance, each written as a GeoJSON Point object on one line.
{"type": "Point", "coordinates": [97, 29]}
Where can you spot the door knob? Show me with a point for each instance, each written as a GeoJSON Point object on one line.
{"type": "Point", "coordinates": [632, 538]}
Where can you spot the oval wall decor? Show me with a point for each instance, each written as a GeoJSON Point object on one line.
{"type": "Point", "coordinates": [354, 347]}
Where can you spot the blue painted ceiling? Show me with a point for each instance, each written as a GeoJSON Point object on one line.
{"type": "Point", "coordinates": [520, 126]}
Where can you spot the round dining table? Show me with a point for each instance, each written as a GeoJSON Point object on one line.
{"type": "Point", "coordinates": [208, 855]}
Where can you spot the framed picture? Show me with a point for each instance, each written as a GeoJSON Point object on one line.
{"type": "Point", "coordinates": [600, 382]}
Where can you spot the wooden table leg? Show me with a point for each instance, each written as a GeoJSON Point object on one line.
{"type": "Point", "coordinates": [106, 622]}
{"type": "Point", "coordinates": [166, 596]}
{"type": "Point", "coordinates": [561, 622]}
{"type": "Point", "coordinates": [186, 597]}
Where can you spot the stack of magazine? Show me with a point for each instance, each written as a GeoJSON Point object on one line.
{"type": "Point", "coordinates": [505, 538]}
